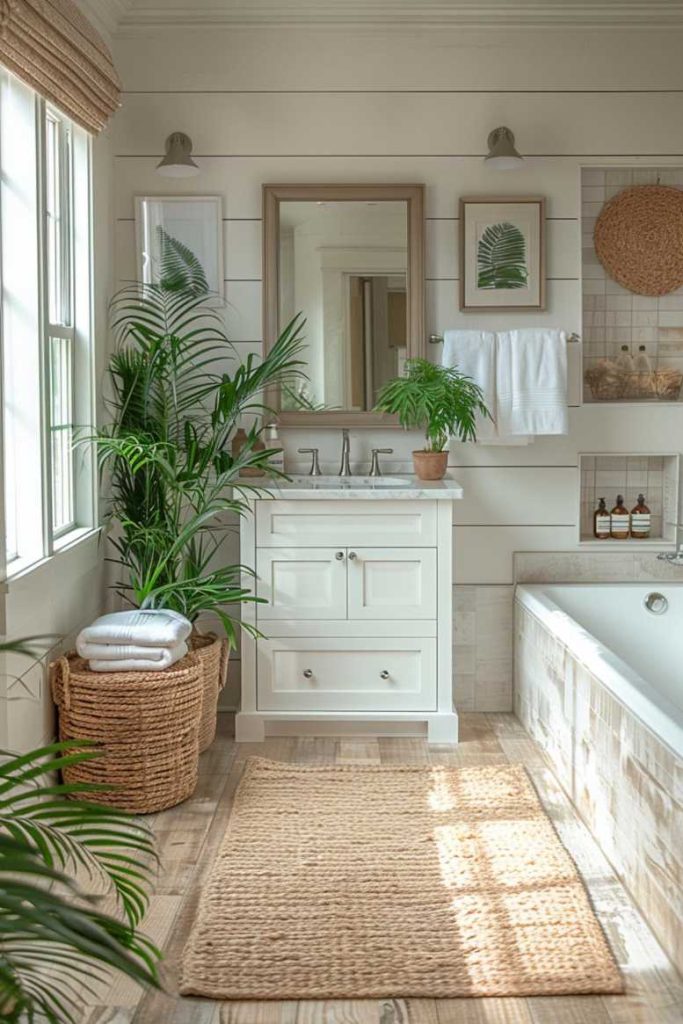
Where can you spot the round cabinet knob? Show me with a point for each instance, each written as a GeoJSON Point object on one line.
{"type": "Point", "coordinates": [339, 556]}
{"type": "Point", "coordinates": [353, 556]}
{"type": "Point", "coordinates": [384, 674]}
{"type": "Point", "coordinates": [308, 674]}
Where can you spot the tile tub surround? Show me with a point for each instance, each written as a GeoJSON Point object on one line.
{"type": "Point", "coordinates": [626, 784]}
{"type": "Point", "coordinates": [612, 315]}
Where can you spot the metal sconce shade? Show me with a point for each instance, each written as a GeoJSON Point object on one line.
{"type": "Point", "coordinates": [178, 162]}
{"type": "Point", "coordinates": [502, 155]}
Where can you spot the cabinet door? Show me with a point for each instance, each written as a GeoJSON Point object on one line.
{"type": "Point", "coordinates": [392, 583]}
{"type": "Point", "coordinates": [301, 583]}
{"type": "Point", "coordinates": [328, 674]}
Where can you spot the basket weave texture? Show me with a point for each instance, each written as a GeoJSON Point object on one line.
{"type": "Point", "coordinates": [213, 654]}
{"type": "Point", "coordinates": [609, 383]}
{"type": "Point", "coordinates": [147, 723]}
{"type": "Point", "coordinates": [639, 239]}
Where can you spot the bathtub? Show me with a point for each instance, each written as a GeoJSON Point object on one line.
{"type": "Point", "coordinates": [599, 685]}
{"type": "Point", "coordinates": [635, 653]}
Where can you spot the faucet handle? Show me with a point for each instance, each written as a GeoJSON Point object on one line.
{"type": "Point", "coordinates": [315, 465]}
{"type": "Point", "coordinates": [375, 469]}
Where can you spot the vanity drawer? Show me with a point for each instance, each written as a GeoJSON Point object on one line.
{"type": "Point", "coordinates": [342, 524]}
{"type": "Point", "coordinates": [326, 674]}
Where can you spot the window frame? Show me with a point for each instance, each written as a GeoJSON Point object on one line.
{"type": "Point", "coordinates": [62, 327]}
{"type": "Point", "coordinates": [74, 313]}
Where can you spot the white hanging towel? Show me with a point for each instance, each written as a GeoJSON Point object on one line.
{"type": "Point", "coordinates": [129, 658]}
{"type": "Point", "coordinates": [531, 382]}
{"type": "Point", "coordinates": [141, 627]}
{"type": "Point", "coordinates": [474, 354]}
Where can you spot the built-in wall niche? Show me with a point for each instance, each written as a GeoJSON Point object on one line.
{"type": "Point", "coordinates": [613, 316]}
{"type": "Point", "coordinates": [655, 476]}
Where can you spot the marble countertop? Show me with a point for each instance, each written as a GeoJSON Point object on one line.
{"type": "Point", "coordinates": [331, 488]}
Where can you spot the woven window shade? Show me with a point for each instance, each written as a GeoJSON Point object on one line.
{"type": "Point", "coordinates": [53, 48]}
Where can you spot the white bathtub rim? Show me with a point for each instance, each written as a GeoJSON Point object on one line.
{"type": "Point", "coordinates": [635, 694]}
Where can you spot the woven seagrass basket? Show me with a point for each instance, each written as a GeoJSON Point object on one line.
{"type": "Point", "coordinates": [608, 383]}
{"type": "Point", "coordinates": [213, 654]}
{"type": "Point", "coordinates": [147, 723]}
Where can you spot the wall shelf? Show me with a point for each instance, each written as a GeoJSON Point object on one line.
{"type": "Point", "coordinates": [604, 475]}
{"type": "Point", "coordinates": [614, 316]}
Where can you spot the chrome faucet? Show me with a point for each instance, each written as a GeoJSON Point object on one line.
{"type": "Point", "coordinates": [673, 557]}
{"type": "Point", "coordinates": [375, 468]}
{"type": "Point", "coordinates": [345, 469]}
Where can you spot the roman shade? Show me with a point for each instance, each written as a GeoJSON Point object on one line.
{"type": "Point", "coordinates": [52, 47]}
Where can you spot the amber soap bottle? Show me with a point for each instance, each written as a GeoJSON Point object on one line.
{"type": "Point", "coordinates": [620, 520]}
{"type": "Point", "coordinates": [601, 521]}
{"type": "Point", "coordinates": [641, 520]}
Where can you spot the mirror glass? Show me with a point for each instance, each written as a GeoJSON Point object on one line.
{"type": "Point", "coordinates": [344, 265]}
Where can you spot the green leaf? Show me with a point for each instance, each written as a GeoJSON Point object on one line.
{"type": "Point", "coordinates": [439, 400]}
{"type": "Point", "coordinates": [501, 258]}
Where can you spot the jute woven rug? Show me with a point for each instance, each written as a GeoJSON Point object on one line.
{"type": "Point", "coordinates": [367, 882]}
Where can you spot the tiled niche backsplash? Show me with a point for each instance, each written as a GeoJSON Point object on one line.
{"type": "Point", "coordinates": [612, 315]}
{"type": "Point", "coordinates": [655, 476]}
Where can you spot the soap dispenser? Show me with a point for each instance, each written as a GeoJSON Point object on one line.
{"type": "Point", "coordinates": [620, 520]}
{"type": "Point", "coordinates": [641, 520]}
{"type": "Point", "coordinates": [601, 521]}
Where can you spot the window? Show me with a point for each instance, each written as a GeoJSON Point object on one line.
{"type": "Point", "coordinates": [60, 332]}
{"type": "Point", "coordinates": [46, 325]}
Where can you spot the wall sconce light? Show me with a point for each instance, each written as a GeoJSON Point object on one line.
{"type": "Point", "coordinates": [502, 155]}
{"type": "Point", "coordinates": [178, 162]}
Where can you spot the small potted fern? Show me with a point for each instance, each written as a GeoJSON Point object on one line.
{"type": "Point", "coordinates": [439, 400]}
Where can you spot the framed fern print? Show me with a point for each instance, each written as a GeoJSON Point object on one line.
{"type": "Point", "coordinates": [180, 238]}
{"type": "Point", "coordinates": [502, 254]}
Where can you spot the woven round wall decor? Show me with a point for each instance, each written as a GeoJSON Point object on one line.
{"type": "Point", "coordinates": [639, 239]}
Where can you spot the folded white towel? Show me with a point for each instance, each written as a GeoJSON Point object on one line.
{"type": "Point", "coordinates": [126, 652]}
{"type": "Point", "coordinates": [144, 628]}
{"type": "Point", "coordinates": [139, 659]}
{"type": "Point", "coordinates": [531, 382]}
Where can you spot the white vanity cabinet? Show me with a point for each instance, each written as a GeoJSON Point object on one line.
{"type": "Point", "coordinates": [355, 610]}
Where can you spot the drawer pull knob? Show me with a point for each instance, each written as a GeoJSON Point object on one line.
{"type": "Point", "coordinates": [353, 556]}
{"type": "Point", "coordinates": [339, 556]}
{"type": "Point", "coordinates": [384, 674]}
{"type": "Point", "coordinates": [308, 674]}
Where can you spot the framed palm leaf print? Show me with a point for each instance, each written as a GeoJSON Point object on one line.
{"type": "Point", "coordinates": [502, 254]}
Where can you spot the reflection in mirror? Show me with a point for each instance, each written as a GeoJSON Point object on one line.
{"type": "Point", "coordinates": [344, 265]}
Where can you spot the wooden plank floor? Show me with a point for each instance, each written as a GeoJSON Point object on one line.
{"type": "Point", "coordinates": [189, 835]}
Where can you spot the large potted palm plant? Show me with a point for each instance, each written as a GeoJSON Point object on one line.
{"type": "Point", "coordinates": [175, 488]}
{"type": "Point", "coordinates": [439, 400]}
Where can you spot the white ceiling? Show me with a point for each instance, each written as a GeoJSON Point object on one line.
{"type": "Point", "coordinates": [129, 14]}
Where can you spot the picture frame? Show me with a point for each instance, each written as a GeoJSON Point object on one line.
{"type": "Point", "coordinates": [194, 221]}
{"type": "Point", "coordinates": [502, 254]}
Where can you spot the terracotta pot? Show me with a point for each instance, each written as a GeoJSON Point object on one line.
{"type": "Point", "coordinates": [430, 465]}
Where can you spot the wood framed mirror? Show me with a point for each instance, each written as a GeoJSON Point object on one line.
{"type": "Point", "coordinates": [351, 259]}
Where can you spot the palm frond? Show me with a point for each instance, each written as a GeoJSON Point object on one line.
{"type": "Point", "coordinates": [179, 268]}
{"type": "Point", "coordinates": [501, 258]}
{"type": "Point", "coordinates": [437, 399]}
{"type": "Point", "coordinates": [72, 834]}
{"type": "Point", "coordinates": [52, 951]}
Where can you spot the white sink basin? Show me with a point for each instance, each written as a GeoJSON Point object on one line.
{"type": "Point", "coordinates": [337, 482]}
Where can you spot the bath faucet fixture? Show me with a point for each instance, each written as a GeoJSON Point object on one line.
{"type": "Point", "coordinates": [345, 468]}
{"type": "Point", "coordinates": [375, 468]}
{"type": "Point", "coordinates": [674, 557]}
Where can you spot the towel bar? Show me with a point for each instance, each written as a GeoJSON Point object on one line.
{"type": "Point", "coordinates": [437, 339]}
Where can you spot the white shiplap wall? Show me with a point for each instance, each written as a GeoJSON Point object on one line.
{"type": "Point", "coordinates": [415, 104]}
